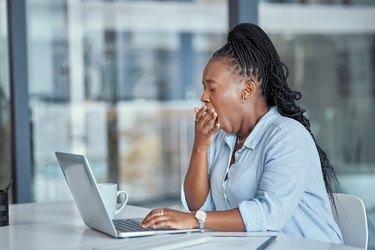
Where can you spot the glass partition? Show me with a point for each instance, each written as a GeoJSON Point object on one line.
{"type": "Point", "coordinates": [5, 116]}
{"type": "Point", "coordinates": [333, 67]}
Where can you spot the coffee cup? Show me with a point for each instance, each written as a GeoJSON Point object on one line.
{"type": "Point", "coordinates": [110, 196]}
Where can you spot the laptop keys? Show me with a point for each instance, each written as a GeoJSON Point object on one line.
{"type": "Point", "coordinates": [128, 225]}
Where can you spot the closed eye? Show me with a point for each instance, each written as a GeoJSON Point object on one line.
{"type": "Point", "coordinates": [211, 84]}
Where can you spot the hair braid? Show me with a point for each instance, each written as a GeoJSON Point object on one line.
{"type": "Point", "coordinates": [253, 53]}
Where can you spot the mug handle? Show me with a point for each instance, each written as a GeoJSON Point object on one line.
{"type": "Point", "coordinates": [123, 203]}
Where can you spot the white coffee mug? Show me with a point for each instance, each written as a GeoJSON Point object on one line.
{"type": "Point", "coordinates": [109, 194]}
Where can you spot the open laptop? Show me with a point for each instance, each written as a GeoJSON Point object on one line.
{"type": "Point", "coordinates": [84, 189]}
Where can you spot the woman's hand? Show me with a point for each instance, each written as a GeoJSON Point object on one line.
{"type": "Point", "coordinates": [171, 218]}
{"type": "Point", "coordinates": [196, 184]}
{"type": "Point", "coordinates": [206, 125]}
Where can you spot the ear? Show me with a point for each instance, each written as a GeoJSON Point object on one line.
{"type": "Point", "coordinates": [249, 90]}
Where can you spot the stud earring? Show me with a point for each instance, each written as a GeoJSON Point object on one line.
{"type": "Point", "coordinates": [244, 99]}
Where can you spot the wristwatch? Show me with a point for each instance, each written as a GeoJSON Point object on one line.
{"type": "Point", "coordinates": [201, 217]}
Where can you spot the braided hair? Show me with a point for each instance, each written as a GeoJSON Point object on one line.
{"type": "Point", "coordinates": [252, 53]}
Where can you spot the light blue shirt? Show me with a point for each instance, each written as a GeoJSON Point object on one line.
{"type": "Point", "coordinates": [276, 180]}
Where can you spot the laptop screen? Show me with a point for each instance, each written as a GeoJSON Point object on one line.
{"type": "Point", "coordinates": [84, 189]}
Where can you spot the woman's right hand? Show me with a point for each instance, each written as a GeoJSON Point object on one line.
{"type": "Point", "coordinates": [196, 184]}
{"type": "Point", "coordinates": [206, 125]}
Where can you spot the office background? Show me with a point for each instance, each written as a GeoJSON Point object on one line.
{"type": "Point", "coordinates": [118, 80]}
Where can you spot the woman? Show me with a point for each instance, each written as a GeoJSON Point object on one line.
{"type": "Point", "coordinates": [255, 165]}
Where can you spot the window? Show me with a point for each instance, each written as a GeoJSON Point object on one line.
{"type": "Point", "coordinates": [117, 81]}
{"type": "Point", "coordinates": [331, 62]}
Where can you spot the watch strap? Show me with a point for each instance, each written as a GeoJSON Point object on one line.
{"type": "Point", "coordinates": [201, 225]}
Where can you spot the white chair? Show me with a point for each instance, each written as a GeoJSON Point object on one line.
{"type": "Point", "coordinates": [351, 219]}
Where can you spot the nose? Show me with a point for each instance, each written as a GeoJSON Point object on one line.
{"type": "Point", "coordinates": [205, 97]}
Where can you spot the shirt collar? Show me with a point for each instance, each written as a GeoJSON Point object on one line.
{"type": "Point", "coordinates": [259, 129]}
{"type": "Point", "coordinates": [254, 137]}
{"type": "Point", "coordinates": [230, 140]}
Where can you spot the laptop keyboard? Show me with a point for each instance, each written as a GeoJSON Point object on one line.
{"type": "Point", "coordinates": [128, 225]}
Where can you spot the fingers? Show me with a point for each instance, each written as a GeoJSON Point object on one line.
{"type": "Point", "coordinates": [205, 116]}
{"type": "Point", "coordinates": [209, 117]}
{"type": "Point", "coordinates": [215, 128]}
{"type": "Point", "coordinates": [155, 218]}
{"type": "Point", "coordinates": [170, 218]}
{"type": "Point", "coordinates": [200, 112]}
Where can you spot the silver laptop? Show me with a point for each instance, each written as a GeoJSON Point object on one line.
{"type": "Point", "coordinates": [84, 189]}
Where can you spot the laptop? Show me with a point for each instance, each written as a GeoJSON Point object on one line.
{"type": "Point", "coordinates": [85, 191]}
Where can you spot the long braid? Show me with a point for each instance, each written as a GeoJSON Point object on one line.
{"type": "Point", "coordinates": [253, 53]}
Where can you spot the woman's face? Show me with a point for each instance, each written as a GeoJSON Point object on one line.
{"type": "Point", "coordinates": [223, 92]}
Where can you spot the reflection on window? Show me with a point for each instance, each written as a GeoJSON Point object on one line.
{"type": "Point", "coordinates": [117, 81]}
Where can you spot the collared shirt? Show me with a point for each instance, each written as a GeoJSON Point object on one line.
{"type": "Point", "coordinates": [276, 180]}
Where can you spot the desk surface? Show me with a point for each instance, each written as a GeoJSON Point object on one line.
{"type": "Point", "coordinates": [59, 226]}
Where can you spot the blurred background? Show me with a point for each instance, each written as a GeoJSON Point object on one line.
{"type": "Point", "coordinates": [118, 80]}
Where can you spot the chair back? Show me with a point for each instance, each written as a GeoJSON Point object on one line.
{"type": "Point", "coordinates": [351, 219]}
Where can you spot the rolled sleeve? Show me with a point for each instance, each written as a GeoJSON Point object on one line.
{"type": "Point", "coordinates": [252, 215]}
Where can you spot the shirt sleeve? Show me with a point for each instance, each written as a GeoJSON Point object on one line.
{"type": "Point", "coordinates": [208, 205]}
{"type": "Point", "coordinates": [290, 155]}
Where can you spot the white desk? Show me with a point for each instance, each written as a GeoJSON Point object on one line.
{"type": "Point", "coordinates": [59, 226]}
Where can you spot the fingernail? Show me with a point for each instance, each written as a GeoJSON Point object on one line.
{"type": "Point", "coordinates": [196, 109]}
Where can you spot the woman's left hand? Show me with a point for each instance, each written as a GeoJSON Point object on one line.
{"type": "Point", "coordinates": [174, 219]}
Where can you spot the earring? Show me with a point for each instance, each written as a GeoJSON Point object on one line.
{"type": "Point", "coordinates": [244, 99]}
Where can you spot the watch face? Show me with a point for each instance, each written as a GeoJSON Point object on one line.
{"type": "Point", "coordinates": [200, 215]}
